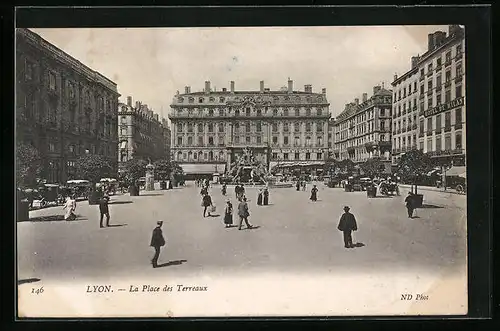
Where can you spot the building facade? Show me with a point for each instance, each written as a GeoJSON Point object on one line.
{"type": "Point", "coordinates": [211, 129]}
{"type": "Point", "coordinates": [363, 130]}
{"type": "Point", "coordinates": [63, 108]}
{"type": "Point", "coordinates": [442, 97]}
{"type": "Point", "coordinates": [404, 111]}
{"type": "Point", "coordinates": [167, 138]}
{"type": "Point", "coordinates": [141, 133]}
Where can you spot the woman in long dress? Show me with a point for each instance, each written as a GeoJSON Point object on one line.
{"type": "Point", "coordinates": [314, 192]}
{"type": "Point", "coordinates": [259, 198]}
{"type": "Point", "coordinates": [70, 207]}
{"type": "Point", "coordinates": [228, 214]}
{"type": "Point", "coordinates": [266, 196]}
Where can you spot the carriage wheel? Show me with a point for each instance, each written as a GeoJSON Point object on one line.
{"type": "Point", "coordinates": [460, 188]}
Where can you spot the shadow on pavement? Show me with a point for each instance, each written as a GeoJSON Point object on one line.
{"type": "Point", "coordinates": [383, 197]}
{"type": "Point", "coordinates": [119, 202]}
{"type": "Point", "coordinates": [358, 245]}
{"type": "Point", "coordinates": [255, 227]}
{"type": "Point", "coordinates": [149, 194]}
{"type": "Point", "coordinates": [27, 281]}
{"type": "Point", "coordinates": [53, 218]}
{"type": "Point", "coordinates": [117, 225]}
{"type": "Point", "coordinates": [214, 215]}
{"type": "Point", "coordinates": [232, 226]}
{"type": "Point", "coordinates": [415, 217]}
{"type": "Point", "coordinates": [170, 263]}
{"type": "Point", "coordinates": [426, 206]}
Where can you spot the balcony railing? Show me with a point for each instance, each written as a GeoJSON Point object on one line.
{"type": "Point", "coordinates": [447, 128]}
{"type": "Point", "coordinates": [414, 126]}
{"type": "Point", "coordinates": [421, 78]}
{"type": "Point", "coordinates": [421, 96]}
{"type": "Point", "coordinates": [447, 63]}
{"type": "Point", "coordinates": [403, 130]}
{"type": "Point", "coordinates": [458, 126]}
{"type": "Point", "coordinates": [420, 134]}
{"type": "Point", "coordinates": [394, 132]}
{"type": "Point", "coordinates": [447, 83]}
{"type": "Point", "coordinates": [429, 73]}
{"type": "Point", "coordinates": [429, 132]}
{"type": "Point", "coordinates": [420, 113]}
{"type": "Point", "coordinates": [438, 88]}
{"type": "Point", "coordinates": [438, 68]}
{"type": "Point", "coordinates": [408, 128]}
{"type": "Point", "coordinates": [429, 92]}
{"type": "Point", "coordinates": [399, 131]}
{"type": "Point", "coordinates": [458, 56]}
{"type": "Point", "coordinates": [458, 79]}
{"type": "Point", "coordinates": [414, 108]}
{"type": "Point", "coordinates": [438, 130]}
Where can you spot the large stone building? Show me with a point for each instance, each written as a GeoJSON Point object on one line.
{"type": "Point", "coordinates": [404, 111]}
{"type": "Point", "coordinates": [167, 138]}
{"type": "Point", "coordinates": [442, 97]}
{"type": "Point", "coordinates": [437, 80]}
{"type": "Point", "coordinates": [63, 108]}
{"type": "Point", "coordinates": [141, 133]}
{"type": "Point", "coordinates": [363, 130]}
{"type": "Point", "coordinates": [210, 129]}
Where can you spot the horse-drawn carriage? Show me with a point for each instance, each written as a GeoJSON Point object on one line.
{"type": "Point", "coordinates": [388, 188]}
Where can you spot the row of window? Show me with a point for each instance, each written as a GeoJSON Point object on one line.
{"type": "Point", "coordinates": [436, 122]}
{"type": "Point", "coordinates": [366, 116]}
{"type": "Point", "coordinates": [248, 112]}
{"type": "Point", "coordinates": [408, 90]}
{"type": "Point", "coordinates": [247, 127]}
{"type": "Point", "coordinates": [248, 139]}
{"type": "Point", "coordinates": [438, 146]}
{"type": "Point", "coordinates": [201, 156]}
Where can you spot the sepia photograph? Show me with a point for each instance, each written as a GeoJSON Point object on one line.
{"type": "Point", "coordinates": [241, 171]}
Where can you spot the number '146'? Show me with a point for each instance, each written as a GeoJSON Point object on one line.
{"type": "Point", "coordinates": [37, 290]}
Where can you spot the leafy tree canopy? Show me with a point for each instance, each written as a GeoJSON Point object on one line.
{"type": "Point", "coordinates": [414, 164]}
{"type": "Point", "coordinates": [346, 165]}
{"type": "Point", "coordinates": [373, 167]}
{"type": "Point", "coordinates": [93, 167]}
{"type": "Point", "coordinates": [28, 165]}
{"type": "Point", "coordinates": [135, 169]}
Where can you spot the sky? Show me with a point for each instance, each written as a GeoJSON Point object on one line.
{"type": "Point", "coordinates": [152, 64]}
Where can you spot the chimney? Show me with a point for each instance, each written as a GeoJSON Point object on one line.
{"type": "Point", "coordinates": [138, 105]}
{"type": "Point", "coordinates": [290, 85]}
{"type": "Point", "coordinates": [323, 90]}
{"type": "Point", "coordinates": [267, 89]}
{"type": "Point", "coordinates": [224, 89]}
{"type": "Point", "coordinates": [395, 77]}
{"type": "Point", "coordinates": [232, 86]}
{"type": "Point", "coordinates": [356, 101]}
{"type": "Point", "coordinates": [376, 89]}
{"type": "Point", "coordinates": [365, 97]}
{"type": "Point", "coordinates": [129, 101]}
{"type": "Point", "coordinates": [207, 86]}
{"type": "Point", "coordinates": [439, 38]}
{"type": "Point", "coordinates": [430, 41]}
{"type": "Point", "coordinates": [187, 90]}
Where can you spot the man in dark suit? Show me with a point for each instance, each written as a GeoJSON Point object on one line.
{"type": "Point", "coordinates": [409, 204]}
{"type": "Point", "coordinates": [243, 213]}
{"type": "Point", "coordinates": [347, 224]}
{"type": "Point", "coordinates": [157, 241]}
{"type": "Point", "coordinates": [104, 210]}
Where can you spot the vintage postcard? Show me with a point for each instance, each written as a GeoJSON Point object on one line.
{"type": "Point", "coordinates": [241, 171]}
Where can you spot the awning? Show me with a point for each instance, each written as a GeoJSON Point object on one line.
{"type": "Point", "coordinates": [457, 171]}
{"type": "Point", "coordinates": [205, 168]}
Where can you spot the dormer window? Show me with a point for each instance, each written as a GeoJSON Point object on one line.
{"type": "Point", "coordinates": [200, 100]}
{"type": "Point", "coordinates": [191, 99]}
{"type": "Point", "coordinates": [221, 99]}
{"type": "Point", "coordinates": [212, 99]}
{"type": "Point", "coordinates": [180, 100]}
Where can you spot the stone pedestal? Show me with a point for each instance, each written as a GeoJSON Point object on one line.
{"type": "Point", "coordinates": [150, 177]}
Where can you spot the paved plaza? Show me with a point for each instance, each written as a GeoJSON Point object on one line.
{"type": "Point", "coordinates": [293, 235]}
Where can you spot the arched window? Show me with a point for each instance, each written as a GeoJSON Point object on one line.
{"type": "Point", "coordinates": [211, 155]}
{"type": "Point", "coordinates": [296, 127]}
{"type": "Point", "coordinates": [210, 112]}
{"type": "Point", "coordinates": [297, 112]}
{"type": "Point", "coordinates": [237, 112]}
{"type": "Point", "coordinates": [221, 112]}
{"type": "Point", "coordinates": [179, 156]}
{"type": "Point", "coordinates": [458, 141]}
{"type": "Point", "coordinates": [308, 141]}
{"type": "Point", "coordinates": [285, 112]}
{"type": "Point", "coordinates": [200, 127]}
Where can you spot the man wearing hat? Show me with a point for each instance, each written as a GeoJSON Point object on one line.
{"type": "Point", "coordinates": [157, 241]}
{"type": "Point", "coordinates": [347, 224]}
{"type": "Point", "coordinates": [104, 210]}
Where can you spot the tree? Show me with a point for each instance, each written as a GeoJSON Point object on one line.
{"type": "Point", "coordinates": [163, 168]}
{"type": "Point", "coordinates": [93, 167]}
{"type": "Point", "coordinates": [28, 164]}
{"type": "Point", "coordinates": [134, 170]}
{"type": "Point", "coordinates": [413, 165]}
{"type": "Point", "coordinates": [372, 167]}
{"type": "Point", "coordinates": [331, 165]}
{"type": "Point", "coordinates": [346, 165]}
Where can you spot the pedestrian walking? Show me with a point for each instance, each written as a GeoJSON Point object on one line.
{"type": "Point", "coordinates": [237, 191]}
{"type": "Point", "coordinates": [104, 210]}
{"type": "Point", "coordinates": [157, 241]}
{"type": "Point", "coordinates": [259, 197]}
{"type": "Point", "coordinates": [70, 207]}
{"type": "Point", "coordinates": [203, 191]}
{"type": "Point", "coordinates": [304, 185]}
{"type": "Point", "coordinates": [266, 196]}
{"type": "Point", "coordinates": [409, 201]}
{"type": "Point", "coordinates": [224, 189]}
{"type": "Point", "coordinates": [244, 213]}
{"type": "Point", "coordinates": [347, 224]}
{"type": "Point", "coordinates": [207, 202]}
{"type": "Point", "coordinates": [297, 185]}
{"type": "Point", "coordinates": [242, 190]}
{"type": "Point", "coordinates": [314, 193]}
{"type": "Point", "coordinates": [228, 214]}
